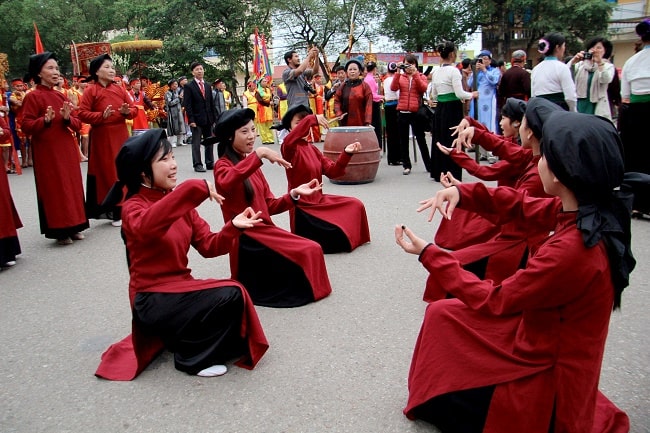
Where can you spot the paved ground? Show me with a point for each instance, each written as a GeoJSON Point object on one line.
{"type": "Point", "coordinates": [339, 365]}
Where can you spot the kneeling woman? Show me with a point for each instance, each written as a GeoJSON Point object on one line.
{"type": "Point", "coordinates": [541, 332]}
{"type": "Point", "coordinates": [336, 222]}
{"type": "Point", "coordinates": [204, 322]}
{"type": "Point", "coordinates": [278, 268]}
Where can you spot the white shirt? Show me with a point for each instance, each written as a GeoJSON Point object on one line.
{"type": "Point", "coordinates": [636, 74]}
{"type": "Point", "coordinates": [553, 76]}
{"type": "Point", "coordinates": [447, 79]}
{"type": "Point", "coordinates": [389, 95]}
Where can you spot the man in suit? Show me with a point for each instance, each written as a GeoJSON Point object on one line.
{"type": "Point", "coordinates": [199, 107]}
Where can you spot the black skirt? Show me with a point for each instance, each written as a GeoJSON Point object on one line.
{"type": "Point", "coordinates": [448, 114]}
{"type": "Point", "coordinates": [202, 328]}
{"type": "Point", "coordinates": [632, 123]}
{"type": "Point", "coordinates": [330, 237]}
{"type": "Point", "coordinates": [271, 279]}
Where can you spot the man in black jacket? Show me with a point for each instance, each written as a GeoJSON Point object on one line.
{"type": "Point", "coordinates": [199, 107]}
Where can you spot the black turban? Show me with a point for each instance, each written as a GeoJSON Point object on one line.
{"type": "Point", "coordinates": [514, 109]}
{"type": "Point", "coordinates": [537, 111]}
{"type": "Point", "coordinates": [36, 62]}
{"type": "Point", "coordinates": [584, 152]}
{"type": "Point", "coordinates": [97, 63]}
{"type": "Point", "coordinates": [131, 161]}
{"type": "Point", "coordinates": [228, 123]}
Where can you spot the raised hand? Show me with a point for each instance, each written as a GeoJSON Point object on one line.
{"type": "Point", "coordinates": [272, 156]}
{"type": "Point", "coordinates": [125, 109]}
{"type": "Point", "coordinates": [247, 219]}
{"type": "Point", "coordinates": [464, 124]}
{"type": "Point", "coordinates": [108, 111]}
{"type": "Point", "coordinates": [49, 114]}
{"type": "Point", "coordinates": [353, 147]}
{"type": "Point", "coordinates": [448, 179]}
{"type": "Point", "coordinates": [443, 149]}
{"type": "Point", "coordinates": [66, 109]}
{"type": "Point", "coordinates": [414, 244]}
{"type": "Point", "coordinates": [322, 121]}
{"type": "Point", "coordinates": [214, 195]}
{"type": "Point", "coordinates": [464, 139]}
{"type": "Point", "coordinates": [308, 188]}
{"type": "Point", "coordinates": [445, 202]}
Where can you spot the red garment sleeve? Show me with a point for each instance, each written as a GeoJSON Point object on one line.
{"type": "Point", "coordinates": [337, 101]}
{"type": "Point", "coordinates": [421, 82]}
{"type": "Point", "coordinates": [394, 85]}
{"type": "Point", "coordinates": [33, 121]}
{"type": "Point", "coordinates": [552, 278]}
{"type": "Point", "coordinates": [497, 171]}
{"type": "Point", "coordinates": [290, 142]}
{"type": "Point", "coordinates": [333, 169]}
{"type": "Point", "coordinates": [227, 174]}
{"type": "Point", "coordinates": [503, 148]}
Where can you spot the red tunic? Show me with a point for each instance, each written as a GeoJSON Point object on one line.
{"type": "Point", "coordinates": [539, 336]}
{"type": "Point", "coordinates": [8, 214]}
{"type": "Point", "coordinates": [59, 183]}
{"type": "Point", "coordinates": [106, 138]}
{"type": "Point", "coordinates": [153, 223]}
{"type": "Point", "coordinates": [307, 254]}
{"type": "Point", "coordinates": [308, 162]}
{"type": "Point", "coordinates": [356, 101]}
{"type": "Point", "coordinates": [140, 121]}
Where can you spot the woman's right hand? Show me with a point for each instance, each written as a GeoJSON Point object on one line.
{"type": "Point", "coordinates": [464, 139]}
{"type": "Point", "coordinates": [463, 125]}
{"type": "Point", "coordinates": [107, 112]}
{"type": "Point", "coordinates": [272, 156]}
{"type": "Point", "coordinates": [247, 219]}
{"type": "Point", "coordinates": [448, 179]}
{"type": "Point", "coordinates": [445, 201]}
{"type": "Point", "coordinates": [213, 194]}
{"type": "Point", "coordinates": [322, 121]}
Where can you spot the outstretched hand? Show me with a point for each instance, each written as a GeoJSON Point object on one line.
{"type": "Point", "coordinates": [308, 188]}
{"type": "Point", "coordinates": [414, 244]}
{"type": "Point", "coordinates": [448, 179]}
{"type": "Point", "coordinates": [445, 202]}
{"type": "Point", "coordinates": [66, 109]}
{"type": "Point", "coordinates": [272, 156]}
{"type": "Point", "coordinates": [322, 121]}
{"type": "Point", "coordinates": [464, 124]}
{"type": "Point", "coordinates": [247, 219]}
{"type": "Point", "coordinates": [214, 195]}
{"type": "Point", "coordinates": [443, 149]}
{"type": "Point", "coordinates": [464, 139]}
{"type": "Point", "coordinates": [353, 147]}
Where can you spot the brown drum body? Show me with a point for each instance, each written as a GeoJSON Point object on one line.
{"type": "Point", "coordinates": [364, 164]}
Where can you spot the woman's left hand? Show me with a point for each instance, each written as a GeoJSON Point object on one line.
{"type": "Point", "coordinates": [124, 109]}
{"type": "Point", "coordinates": [353, 147]}
{"type": "Point", "coordinates": [309, 188]}
{"type": "Point", "coordinates": [464, 139]}
{"type": "Point", "coordinates": [247, 219]}
{"type": "Point", "coordinates": [414, 245]}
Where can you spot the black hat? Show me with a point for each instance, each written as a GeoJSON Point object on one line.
{"type": "Point", "coordinates": [132, 159]}
{"type": "Point", "coordinates": [292, 111]}
{"type": "Point", "coordinates": [228, 123]}
{"type": "Point", "coordinates": [514, 109]}
{"type": "Point", "coordinates": [537, 111]}
{"type": "Point", "coordinates": [36, 62]}
{"type": "Point", "coordinates": [97, 63]}
{"type": "Point", "coordinates": [349, 62]}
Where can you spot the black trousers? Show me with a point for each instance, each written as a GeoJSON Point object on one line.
{"type": "Point", "coordinates": [199, 133]}
{"type": "Point", "coordinates": [393, 154]}
{"type": "Point", "coordinates": [404, 120]}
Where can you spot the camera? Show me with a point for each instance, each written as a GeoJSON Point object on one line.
{"type": "Point", "coordinates": [403, 67]}
{"type": "Point", "coordinates": [588, 55]}
{"type": "Point", "coordinates": [479, 61]}
{"type": "Point", "coordinates": [309, 88]}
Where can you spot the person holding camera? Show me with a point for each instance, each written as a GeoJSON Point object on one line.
{"type": "Point", "coordinates": [411, 85]}
{"type": "Point", "coordinates": [593, 73]}
{"type": "Point", "coordinates": [353, 100]}
{"type": "Point", "coordinates": [293, 76]}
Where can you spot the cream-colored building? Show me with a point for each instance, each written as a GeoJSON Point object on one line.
{"type": "Point", "coordinates": [626, 15]}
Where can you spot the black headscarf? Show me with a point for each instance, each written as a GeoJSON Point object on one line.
{"type": "Point", "coordinates": [132, 160]}
{"type": "Point", "coordinates": [228, 123]}
{"type": "Point", "coordinates": [584, 152]}
{"type": "Point", "coordinates": [97, 63]}
{"type": "Point", "coordinates": [514, 109]}
{"type": "Point", "coordinates": [537, 111]}
{"type": "Point", "coordinates": [36, 62]}
{"type": "Point", "coordinates": [292, 111]}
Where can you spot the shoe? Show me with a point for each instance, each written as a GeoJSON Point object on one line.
{"type": "Point", "coordinates": [215, 370]}
{"type": "Point", "coordinates": [406, 171]}
{"type": "Point", "coordinates": [117, 223]}
{"type": "Point", "coordinates": [199, 169]}
{"type": "Point", "coordinates": [78, 236]}
{"type": "Point", "coordinates": [209, 166]}
{"type": "Point", "coordinates": [66, 241]}
{"type": "Point", "coordinates": [492, 159]}
{"type": "Point", "coordinates": [9, 264]}
{"type": "Point", "coordinates": [173, 144]}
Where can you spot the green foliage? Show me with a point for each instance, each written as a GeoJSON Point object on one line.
{"type": "Point", "coordinates": [420, 24]}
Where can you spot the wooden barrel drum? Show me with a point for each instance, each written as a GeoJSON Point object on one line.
{"type": "Point", "coordinates": [363, 166]}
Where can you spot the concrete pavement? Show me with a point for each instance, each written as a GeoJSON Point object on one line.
{"type": "Point", "coordinates": [338, 365]}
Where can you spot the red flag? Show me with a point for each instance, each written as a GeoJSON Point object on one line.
{"type": "Point", "coordinates": [37, 39]}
